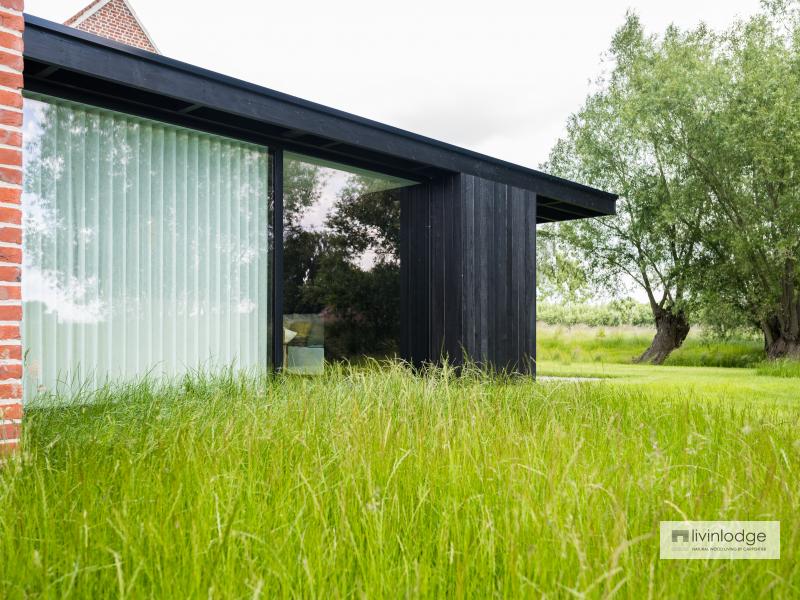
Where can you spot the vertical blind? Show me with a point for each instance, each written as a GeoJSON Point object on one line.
{"type": "Point", "coordinates": [145, 248]}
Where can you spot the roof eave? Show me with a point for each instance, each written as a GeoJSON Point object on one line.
{"type": "Point", "coordinates": [108, 61]}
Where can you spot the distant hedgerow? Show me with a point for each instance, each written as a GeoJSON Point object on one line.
{"type": "Point", "coordinates": [613, 314]}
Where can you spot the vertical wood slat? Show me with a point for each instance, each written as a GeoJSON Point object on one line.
{"type": "Point", "coordinates": [415, 273]}
{"type": "Point", "coordinates": [437, 267]}
{"type": "Point", "coordinates": [530, 290]}
{"type": "Point", "coordinates": [513, 277]}
{"type": "Point", "coordinates": [482, 243]}
{"type": "Point", "coordinates": [503, 320]}
{"type": "Point", "coordinates": [517, 274]}
{"type": "Point", "coordinates": [422, 284]}
{"type": "Point", "coordinates": [454, 272]}
{"type": "Point", "coordinates": [468, 294]}
{"type": "Point", "coordinates": [468, 261]}
{"type": "Point", "coordinates": [404, 251]}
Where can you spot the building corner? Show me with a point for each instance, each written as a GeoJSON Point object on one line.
{"type": "Point", "coordinates": [12, 24]}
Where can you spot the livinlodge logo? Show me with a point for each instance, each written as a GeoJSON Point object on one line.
{"type": "Point", "coordinates": [680, 535]}
{"type": "Point", "coordinates": [720, 540]}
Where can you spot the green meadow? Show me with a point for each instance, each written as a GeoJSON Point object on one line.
{"type": "Point", "coordinates": [377, 482]}
{"type": "Point", "coordinates": [622, 344]}
{"type": "Point", "coordinates": [733, 371]}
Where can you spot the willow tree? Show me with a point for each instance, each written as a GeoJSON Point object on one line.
{"type": "Point", "coordinates": [733, 114]}
{"type": "Point", "coordinates": [652, 242]}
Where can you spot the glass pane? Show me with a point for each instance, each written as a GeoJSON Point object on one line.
{"type": "Point", "coordinates": [145, 248]}
{"type": "Point", "coordinates": [341, 263]}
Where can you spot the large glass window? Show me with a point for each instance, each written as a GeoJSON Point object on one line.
{"type": "Point", "coordinates": [341, 287]}
{"type": "Point", "coordinates": [145, 248]}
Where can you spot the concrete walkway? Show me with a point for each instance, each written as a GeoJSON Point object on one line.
{"type": "Point", "coordinates": [569, 379]}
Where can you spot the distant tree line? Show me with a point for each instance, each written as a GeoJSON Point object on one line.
{"type": "Point", "coordinates": [699, 133]}
{"type": "Point", "coordinates": [616, 313]}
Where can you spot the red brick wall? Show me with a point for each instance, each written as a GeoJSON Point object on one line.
{"type": "Point", "coordinates": [11, 27]}
{"type": "Point", "coordinates": [115, 22]}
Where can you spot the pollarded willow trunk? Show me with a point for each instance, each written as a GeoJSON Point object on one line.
{"type": "Point", "coordinates": [671, 330]}
{"type": "Point", "coordinates": [782, 329]}
{"type": "Point", "coordinates": [780, 341]}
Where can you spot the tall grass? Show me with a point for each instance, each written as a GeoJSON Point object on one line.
{"type": "Point", "coordinates": [623, 344]}
{"type": "Point", "coordinates": [380, 483]}
{"type": "Point", "coordinates": [779, 368]}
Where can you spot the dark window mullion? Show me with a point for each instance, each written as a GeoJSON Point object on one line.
{"type": "Point", "coordinates": [276, 202]}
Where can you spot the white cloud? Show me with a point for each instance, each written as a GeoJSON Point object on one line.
{"type": "Point", "coordinates": [73, 301]}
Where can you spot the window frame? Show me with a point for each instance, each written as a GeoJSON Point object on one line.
{"type": "Point", "coordinates": [274, 201]}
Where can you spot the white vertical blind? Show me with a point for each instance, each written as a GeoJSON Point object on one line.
{"type": "Point", "coordinates": [145, 248]}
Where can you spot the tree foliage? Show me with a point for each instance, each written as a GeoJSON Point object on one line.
{"type": "Point", "coordinates": [560, 276]}
{"type": "Point", "coordinates": [699, 132]}
{"type": "Point", "coordinates": [652, 241]}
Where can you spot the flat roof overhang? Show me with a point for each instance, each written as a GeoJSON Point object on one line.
{"type": "Point", "coordinates": [69, 63]}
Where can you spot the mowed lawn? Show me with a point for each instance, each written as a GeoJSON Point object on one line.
{"type": "Point", "coordinates": [704, 370]}
{"type": "Point", "coordinates": [380, 483]}
{"type": "Point", "coordinates": [702, 384]}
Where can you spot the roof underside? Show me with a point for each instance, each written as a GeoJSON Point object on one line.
{"type": "Point", "coordinates": [64, 62]}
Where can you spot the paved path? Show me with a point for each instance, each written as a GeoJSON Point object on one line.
{"type": "Point", "coordinates": [573, 379]}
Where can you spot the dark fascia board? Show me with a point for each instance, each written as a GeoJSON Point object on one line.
{"type": "Point", "coordinates": [64, 48]}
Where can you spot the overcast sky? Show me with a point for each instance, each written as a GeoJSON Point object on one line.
{"type": "Point", "coordinates": [499, 77]}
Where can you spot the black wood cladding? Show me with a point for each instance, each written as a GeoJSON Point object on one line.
{"type": "Point", "coordinates": [468, 273]}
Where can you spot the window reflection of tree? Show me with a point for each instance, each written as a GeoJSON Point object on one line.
{"type": "Point", "coordinates": [348, 270]}
{"type": "Point", "coordinates": [144, 244]}
{"type": "Point", "coordinates": [50, 228]}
